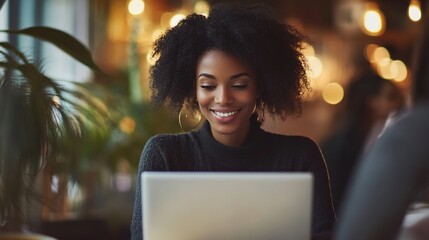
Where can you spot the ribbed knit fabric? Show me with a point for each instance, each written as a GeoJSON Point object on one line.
{"type": "Point", "coordinates": [262, 151]}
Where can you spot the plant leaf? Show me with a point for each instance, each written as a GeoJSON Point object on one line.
{"type": "Point", "coordinates": [62, 40]}
{"type": "Point", "coordinates": [12, 48]}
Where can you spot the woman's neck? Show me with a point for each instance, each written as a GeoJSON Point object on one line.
{"type": "Point", "coordinates": [235, 139]}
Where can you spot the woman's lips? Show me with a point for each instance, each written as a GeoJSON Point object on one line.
{"type": "Point", "coordinates": [225, 115]}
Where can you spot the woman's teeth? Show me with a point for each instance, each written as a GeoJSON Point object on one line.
{"type": "Point", "coordinates": [225, 114]}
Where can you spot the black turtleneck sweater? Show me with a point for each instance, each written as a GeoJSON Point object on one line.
{"type": "Point", "coordinates": [262, 151]}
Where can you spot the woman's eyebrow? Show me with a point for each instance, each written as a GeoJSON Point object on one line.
{"type": "Point", "coordinates": [235, 76]}
{"type": "Point", "coordinates": [206, 75]}
{"type": "Point", "coordinates": [239, 75]}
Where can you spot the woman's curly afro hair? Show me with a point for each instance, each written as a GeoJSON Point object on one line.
{"type": "Point", "coordinates": [251, 33]}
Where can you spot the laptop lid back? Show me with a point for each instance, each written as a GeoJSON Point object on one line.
{"type": "Point", "coordinates": [226, 206]}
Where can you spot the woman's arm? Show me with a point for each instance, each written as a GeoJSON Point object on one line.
{"type": "Point", "coordinates": [152, 159]}
{"type": "Point", "coordinates": [323, 209]}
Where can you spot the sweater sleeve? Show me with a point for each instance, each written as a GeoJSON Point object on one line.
{"type": "Point", "coordinates": [323, 210]}
{"type": "Point", "coordinates": [152, 159]}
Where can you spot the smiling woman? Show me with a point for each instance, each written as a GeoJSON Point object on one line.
{"type": "Point", "coordinates": [234, 66]}
{"type": "Point", "coordinates": [226, 95]}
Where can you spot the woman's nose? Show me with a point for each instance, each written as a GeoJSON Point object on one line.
{"type": "Point", "coordinates": [223, 96]}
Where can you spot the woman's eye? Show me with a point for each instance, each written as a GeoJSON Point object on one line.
{"type": "Point", "coordinates": [208, 87]}
{"type": "Point", "coordinates": [239, 86]}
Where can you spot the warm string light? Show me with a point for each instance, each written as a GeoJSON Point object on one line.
{"type": "Point", "coordinates": [136, 7]}
{"type": "Point", "coordinates": [373, 22]}
{"type": "Point", "coordinates": [414, 11]}
{"type": "Point", "coordinates": [333, 93]}
{"type": "Point", "coordinates": [315, 65]}
{"type": "Point", "coordinates": [202, 7]}
{"type": "Point", "coordinates": [176, 19]}
{"type": "Point", "coordinates": [386, 67]}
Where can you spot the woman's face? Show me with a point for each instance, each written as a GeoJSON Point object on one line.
{"type": "Point", "coordinates": [226, 94]}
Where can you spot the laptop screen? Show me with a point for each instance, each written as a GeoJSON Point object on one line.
{"type": "Point", "coordinates": [220, 205]}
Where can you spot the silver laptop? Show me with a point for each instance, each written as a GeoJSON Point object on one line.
{"type": "Point", "coordinates": [226, 206]}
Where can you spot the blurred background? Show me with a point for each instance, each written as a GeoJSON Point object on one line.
{"type": "Point", "coordinates": [92, 196]}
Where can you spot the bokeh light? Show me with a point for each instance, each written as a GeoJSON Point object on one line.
{"type": "Point", "coordinates": [202, 7]}
{"type": "Point", "coordinates": [176, 19]}
{"type": "Point", "coordinates": [136, 7]}
{"type": "Point", "coordinates": [315, 66]}
{"type": "Point", "coordinates": [156, 34]}
{"type": "Point", "coordinates": [399, 70]}
{"type": "Point", "coordinates": [369, 51]}
{"type": "Point", "coordinates": [333, 93]}
{"type": "Point", "coordinates": [414, 11]}
{"type": "Point", "coordinates": [384, 69]}
{"type": "Point", "coordinates": [127, 125]}
{"type": "Point", "coordinates": [380, 53]}
{"type": "Point", "coordinates": [308, 50]}
{"type": "Point", "coordinates": [373, 22]}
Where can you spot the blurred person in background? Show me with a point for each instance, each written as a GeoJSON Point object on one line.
{"type": "Point", "coordinates": [369, 101]}
{"type": "Point", "coordinates": [387, 197]}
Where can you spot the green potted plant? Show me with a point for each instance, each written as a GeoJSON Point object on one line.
{"type": "Point", "coordinates": [39, 118]}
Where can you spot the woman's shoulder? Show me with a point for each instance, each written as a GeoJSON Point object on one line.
{"type": "Point", "coordinates": [169, 139]}
{"type": "Point", "coordinates": [164, 150]}
{"type": "Point", "coordinates": [304, 151]}
{"type": "Point", "coordinates": [295, 140]}
{"type": "Point", "coordinates": [302, 146]}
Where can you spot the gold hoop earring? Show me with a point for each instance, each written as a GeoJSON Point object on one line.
{"type": "Point", "coordinates": [189, 119]}
{"type": "Point", "coordinates": [261, 112]}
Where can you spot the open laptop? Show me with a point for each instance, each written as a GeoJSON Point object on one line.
{"type": "Point", "coordinates": [226, 206]}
